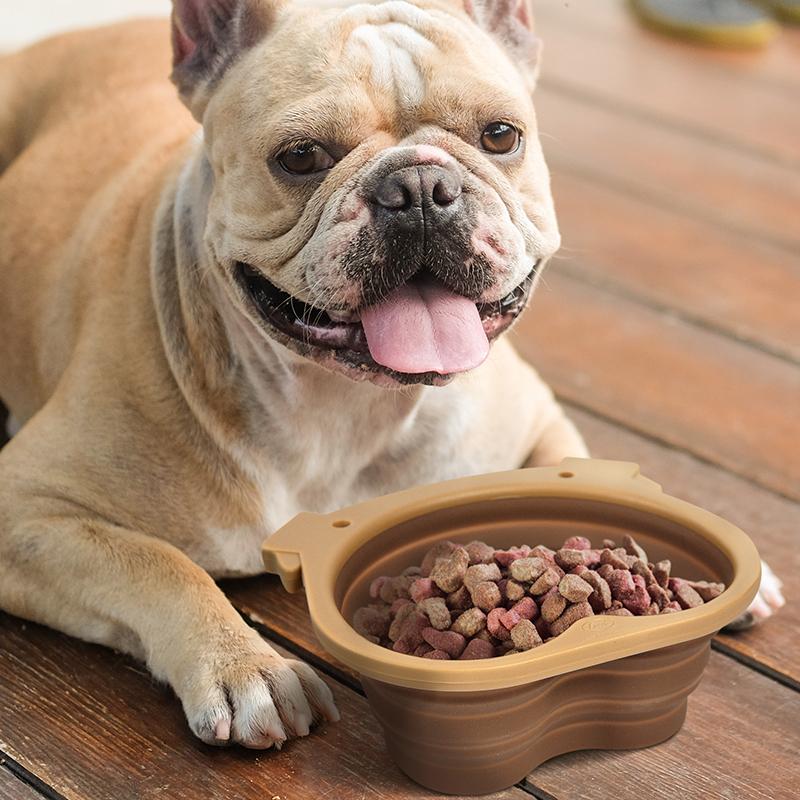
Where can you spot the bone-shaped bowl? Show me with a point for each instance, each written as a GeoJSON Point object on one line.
{"type": "Point", "coordinates": [475, 727]}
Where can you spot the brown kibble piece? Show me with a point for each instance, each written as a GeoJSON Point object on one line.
{"type": "Point", "coordinates": [486, 596]}
{"type": "Point", "coordinates": [480, 553]}
{"type": "Point", "coordinates": [684, 594]}
{"type": "Point", "coordinates": [569, 559]}
{"type": "Point", "coordinates": [553, 605]}
{"type": "Point", "coordinates": [640, 567]}
{"type": "Point", "coordinates": [459, 600]}
{"type": "Point", "coordinates": [661, 572]}
{"type": "Point", "coordinates": [605, 571]}
{"type": "Point", "coordinates": [469, 623]}
{"type": "Point", "coordinates": [525, 636]}
{"type": "Point", "coordinates": [600, 598]}
{"type": "Point", "coordinates": [371, 621]}
{"type": "Point", "coordinates": [633, 548]}
{"type": "Point", "coordinates": [614, 558]}
{"type": "Point", "coordinates": [708, 591]}
{"type": "Point", "coordinates": [546, 581]}
{"type": "Point", "coordinates": [439, 550]}
{"type": "Point", "coordinates": [514, 591]}
{"type": "Point", "coordinates": [480, 573]}
{"type": "Point", "coordinates": [448, 573]}
{"type": "Point", "coordinates": [437, 612]}
{"type": "Point", "coordinates": [617, 612]}
{"type": "Point", "coordinates": [527, 570]}
{"type": "Point", "coordinates": [574, 588]}
{"type": "Point", "coordinates": [570, 617]}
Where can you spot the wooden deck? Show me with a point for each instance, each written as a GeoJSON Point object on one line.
{"type": "Point", "coordinates": [670, 327]}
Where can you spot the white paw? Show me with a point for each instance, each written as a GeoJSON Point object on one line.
{"type": "Point", "coordinates": [768, 600]}
{"type": "Point", "coordinates": [250, 695]}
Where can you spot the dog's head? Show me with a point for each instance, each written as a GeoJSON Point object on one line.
{"type": "Point", "coordinates": [378, 200]}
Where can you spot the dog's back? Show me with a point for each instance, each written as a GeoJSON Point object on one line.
{"type": "Point", "coordinates": [75, 112]}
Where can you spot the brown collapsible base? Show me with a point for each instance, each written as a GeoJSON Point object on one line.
{"type": "Point", "coordinates": [630, 703]}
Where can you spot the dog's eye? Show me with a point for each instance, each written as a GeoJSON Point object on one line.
{"type": "Point", "coordinates": [306, 158]}
{"type": "Point", "coordinates": [500, 138]}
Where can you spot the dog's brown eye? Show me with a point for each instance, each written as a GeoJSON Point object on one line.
{"type": "Point", "coordinates": [500, 138]}
{"type": "Point", "coordinates": [306, 158]}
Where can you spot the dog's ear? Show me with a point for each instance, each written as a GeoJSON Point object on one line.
{"type": "Point", "coordinates": [511, 22]}
{"type": "Point", "coordinates": [208, 36]}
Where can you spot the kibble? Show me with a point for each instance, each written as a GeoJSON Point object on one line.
{"type": "Point", "coordinates": [467, 602]}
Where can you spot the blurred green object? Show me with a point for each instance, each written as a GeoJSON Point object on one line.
{"type": "Point", "coordinates": [722, 23]}
{"type": "Point", "coordinates": [788, 10]}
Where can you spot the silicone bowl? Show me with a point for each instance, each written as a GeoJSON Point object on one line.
{"type": "Point", "coordinates": [475, 727]}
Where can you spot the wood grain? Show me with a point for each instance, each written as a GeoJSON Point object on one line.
{"type": "Point", "coordinates": [700, 180]}
{"type": "Point", "coordinates": [778, 64]}
{"type": "Point", "coordinates": [736, 286]}
{"type": "Point", "coordinates": [93, 725]}
{"type": "Point", "coordinates": [771, 521]}
{"type": "Point", "coordinates": [741, 739]}
{"type": "Point", "coordinates": [651, 76]}
{"type": "Point", "coordinates": [690, 387]}
{"type": "Point", "coordinates": [12, 788]}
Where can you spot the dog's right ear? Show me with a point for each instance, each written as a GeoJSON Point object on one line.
{"type": "Point", "coordinates": [208, 36]}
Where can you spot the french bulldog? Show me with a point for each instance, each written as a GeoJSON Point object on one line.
{"type": "Point", "coordinates": [286, 293]}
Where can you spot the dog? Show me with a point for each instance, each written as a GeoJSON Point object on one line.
{"type": "Point", "coordinates": [288, 292]}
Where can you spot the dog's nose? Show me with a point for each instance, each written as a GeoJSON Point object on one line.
{"type": "Point", "coordinates": [429, 192]}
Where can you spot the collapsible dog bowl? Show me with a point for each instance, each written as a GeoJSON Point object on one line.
{"type": "Point", "coordinates": [475, 727]}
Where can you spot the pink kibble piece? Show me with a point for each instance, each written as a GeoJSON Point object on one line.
{"type": "Point", "coordinates": [437, 655]}
{"type": "Point", "coordinates": [477, 649]}
{"type": "Point", "coordinates": [423, 588]}
{"type": "Point", "coordinates": [495, 625]}
{"type": "Point", "coordinates": [577, 543]}
{"type": "Point", "coordinates": [449, 641]}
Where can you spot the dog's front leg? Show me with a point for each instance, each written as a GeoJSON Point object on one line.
{"type": "Point", "coordinates": [130, 591]}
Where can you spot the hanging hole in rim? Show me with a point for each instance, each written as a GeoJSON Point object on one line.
{"type": "Point", "coordinates": [341, 523]}
{"type": "Point", "coordinates": [566, 474]}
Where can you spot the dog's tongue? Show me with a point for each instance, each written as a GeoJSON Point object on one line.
{"type": "Point", "coordinates": [423, 327]}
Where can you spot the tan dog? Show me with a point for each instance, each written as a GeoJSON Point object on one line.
{"type": "Point", "coordinates": [201, 336]}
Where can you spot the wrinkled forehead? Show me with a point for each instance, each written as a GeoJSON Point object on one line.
{"type": "Point", "coordinates": [400, 49]}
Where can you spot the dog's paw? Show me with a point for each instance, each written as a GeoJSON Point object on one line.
{"type": "Point", "coordinates": [768, 600]}
{"type": "Point", "coordinates": [253, 697]}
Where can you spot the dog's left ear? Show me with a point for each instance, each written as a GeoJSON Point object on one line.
{"type": "Point", "coordinates": [511, 22]}
{"type": "Point", "coordinates": [208, 36]}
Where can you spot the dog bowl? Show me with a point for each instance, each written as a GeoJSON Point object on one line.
{"type": "Point", "coordinates": [476, 727]}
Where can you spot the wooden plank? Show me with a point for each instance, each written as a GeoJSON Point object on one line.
{"type": "Point", "coordinates": [732, 704]}
{"type": "Point", "coordinates": [93, 725]}
{"type": "Point", "coordinates": [750, 197]}
{"type": "Point", "coordinates": [687, 386]}
{"type": "Point", "coordinates": [12, 788]}
{"type": "Point", "coordinates": [740, 740]}
{"type": "Point", "coordinates": [643, 74]}
{"type": "Point", "coordinates": [778, 64]}
{"type": "Point", "coordinates": [771, 521]}
{"type": "Point", "coordinates": [664, 258]}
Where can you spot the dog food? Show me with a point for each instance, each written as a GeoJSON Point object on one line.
{"type": "Point", "coordinates": [474, 602]}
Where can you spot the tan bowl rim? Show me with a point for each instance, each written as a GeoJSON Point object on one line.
{"type": "Point", "coordinates": [304, 552]}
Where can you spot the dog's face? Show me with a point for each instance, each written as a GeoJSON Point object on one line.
{"type": "Point", "coordinates": [378, 199]}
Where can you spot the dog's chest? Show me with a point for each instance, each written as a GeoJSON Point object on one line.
{"type": "Point", "coordinates": [328, 462]}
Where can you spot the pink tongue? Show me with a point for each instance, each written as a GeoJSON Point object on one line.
{"type": "Point", "coordinates": [425, 328]}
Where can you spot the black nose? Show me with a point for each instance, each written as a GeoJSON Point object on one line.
{"type": "Point", "coordinates": [428, 192]}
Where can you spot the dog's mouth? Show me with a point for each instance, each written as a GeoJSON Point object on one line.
{"type": "Point", "coordinates": [422, 333]}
